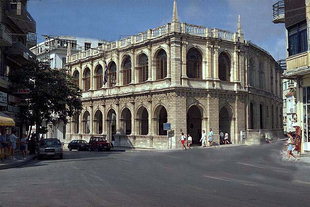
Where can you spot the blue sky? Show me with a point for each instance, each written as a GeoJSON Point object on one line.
{"type": "Point", "coordinates": [113, 19]}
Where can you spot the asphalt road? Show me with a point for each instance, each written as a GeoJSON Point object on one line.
{"type": "Point", "coordinates": [233, 176]}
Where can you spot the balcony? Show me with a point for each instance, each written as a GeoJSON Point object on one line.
{"type": "Point", "coordinates": [20, 53]}
{"type": "Point", "coordinates": [298, 65]}
{"type": "Point", "coordinates": [5, 36]}
{"type": "Point", "coordinates": [278, 12]}
{"type": "Point", "coordinates": [22, 19]}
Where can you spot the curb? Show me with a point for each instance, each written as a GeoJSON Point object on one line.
{"type": "Point", "coordinates": [17, 163]}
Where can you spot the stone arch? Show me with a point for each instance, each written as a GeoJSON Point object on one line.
{"type": "Point", "coordinates": [98, 76]}
{"type": "Point", "coordinates": [111, 122]}
{"type": "Point", "coordinates": [161, 62]}
{"type": "Point", "coordinates": [126, 69]}
{"type": "Point", "coordinates": [126, 121]}
{"type": "Point", "coordinates": [224, 67]}
{"type": "Point", "coordinates": [76, 123]}
{"type": "Point", "coordinates": [86, 79]}
{"type": "Point", "coordinates": [194, 122]}
{"type": "Point", "coordinates": [112, 68]}
{"type": "Point", "coordinates": [98, 122]}
{"type": "Point", "coordinates": [194, 63]}
{"type": "Point", "coordinates": [86, 122]}
{"type": "Point", "coordinates": [225, 120]}
{"type": "Point", "coordinates": [143, 64]}
{"type": "Point", "coordinates": [251, 116]}
{"type": "Point", "coordinates": [161, 117]}
{"type": "Point", "coordinates": [76, 77]}
{"type": "Point", "coordinates": [143, 121]}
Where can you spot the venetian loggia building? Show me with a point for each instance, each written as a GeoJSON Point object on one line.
{"type": "Point", "coordinates": [192, 77]}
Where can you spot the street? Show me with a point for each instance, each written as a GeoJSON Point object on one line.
{"type": "Point", "coordinates": [222, 176]}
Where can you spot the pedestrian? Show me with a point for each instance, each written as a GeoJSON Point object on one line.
{"type": "Point", "coordinates": [226, 138]}
{"type": "Point", "coordinates": [183, 140]}
{"type": "Point", "coordinates": [290, 146]}
{"type": "Point", "coordinates": [210, 137]}
{"type": "Point", "coordinates": [222, 138]}
{"type": "Point", "coordinates": [203, 138]}
{"type": "Point", "coordinates": [189, 141]}
{"type": "Point", "coordinates": [13, 139]}
{"type": "Point", "coordinates": [23, 145]}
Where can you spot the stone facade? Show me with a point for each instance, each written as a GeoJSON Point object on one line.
{"type": "Point", "coordinates": [195, 78]}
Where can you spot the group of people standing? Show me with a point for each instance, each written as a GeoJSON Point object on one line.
{"type": "Point", "coordinates": [294, 143]}
{"type": "Point", "coordinates": [186, 141]}
{"type": "Point", "coordinates": [10, 144]}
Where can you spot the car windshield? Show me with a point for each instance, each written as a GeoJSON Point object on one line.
{"type": "Point", "coordinates": [50, 143]}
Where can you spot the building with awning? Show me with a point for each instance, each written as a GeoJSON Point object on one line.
{"type": "Point", "coordinates": [6, 120]}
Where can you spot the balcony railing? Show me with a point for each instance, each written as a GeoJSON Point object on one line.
{"type": "Point", "coordinates": [156, 33]}
{"type": "Point", "coordinates": [5, 36]}
{"type": "Point", "coordinates": [279, 12]}
{"type": "Point", "coordinates": [22, 19]}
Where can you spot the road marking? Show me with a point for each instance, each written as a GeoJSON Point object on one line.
{"type": "Point", "coordinates": [262, 167]}
{"type": "Point", "coordinates": [243, 182]}
{"type": "Point", "coordinates": [302, 182]}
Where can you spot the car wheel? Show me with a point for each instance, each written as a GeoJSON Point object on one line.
{"type": "Point", "coordinates": [39, 157]}
{"type": "Point", "coordinates": [61, 156]}
{"type": "Point", "coordinates": [70, 148]}
{"type": "Point", "coordinates": [108, 149]}
{"type": "Point", "coordinates": [79, 149]}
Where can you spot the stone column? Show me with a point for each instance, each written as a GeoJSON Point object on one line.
{"type": "Point", "coordinates": [119, 76]}
{"type": "Point", "coordinates": [150, 63]}
{"type": "Point", "coordinates": [134, 71]}
{"type": "Point", "coordinates": [176, 65]}
{"type": "Point", "coordinates": [213, 111]}
{"type": "Point", "coordinates": [91, 120]}
{"type": "Point", "coordinates": [104, 118]}
{"type": "Point", "coordinates": [216, 62]}
{"type": "Point", "coordinates": [208, 73]}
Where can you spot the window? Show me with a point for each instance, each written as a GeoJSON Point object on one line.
{"type": "Point", "coordinates": [224, 67]}
{"type": "Point", "coordinates": [161, 65]}
{"type": "Point", "coordinates": [126, 69]}
{"type": "Point", "coordinates": [143, 68]}
{"type": "Point", "coordinates": [112, 74]}
{"type": "Point", "coordinates": [297, 39]}
{"type": "Point", "coordinates": [98, 77]}
{"type": "Point", "coordinates": [87, 45]}
{"type": "Point", "coordinates": [76, 77]}
{"type": "Point", "coordinates": [193, 63]}
{"type": "Point", "coordinates": [86, 79]}
{"type": "Point", "coordinates": [63, 62]}
{"type": "Point", "coordinates": [86, 123]}
{"type": "Point", "coordinates": [99, 44]}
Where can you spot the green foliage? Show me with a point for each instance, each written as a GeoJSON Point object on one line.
{"type": "Point", "coordinates": [53, 95]}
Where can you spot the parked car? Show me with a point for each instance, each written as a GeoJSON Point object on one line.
{"type": "Point", "coordinates": [78, 145]}
{"type": "Point", "coordinates": [99, 143]}
{"type": "Point", "coordinates": [50, 147]}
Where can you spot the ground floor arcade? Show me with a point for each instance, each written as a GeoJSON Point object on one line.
{"type": "Point", "coordinates": [138, 121]}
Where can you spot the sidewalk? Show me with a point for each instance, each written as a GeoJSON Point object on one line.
{"type": "Point", "coordinates": [18, 161]}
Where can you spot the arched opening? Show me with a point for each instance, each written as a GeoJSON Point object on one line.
{"type": "Point", "coordinates": [161, 117]}
{"type": "Point", "coordinates": [251, 124]}
{"type": "Point", "coordinates": [98, 122]}
{"type": "Point", "coordinates": [98, 77]}
{"type": "Point", "coordinates": [111, 125]}
{"type": "Point", "coordinates": [224, 67]}
{"type": "Point", "coordinates": [76, 123]}
{"type": "Point", "coordinates": [261, 116]}
{"type": "Point", "coordinates": [143, 121]}
{"type": "Point", "coordinates": [161, 65]}
{"type": "Point", "coordinates": [112, 74]}
{"type": "Point", "coordinates": [86, 79]}
{"type": "Point", "coordinates": [194, 123]}
{"type": "Point", "coordinates": [76, 78]}
{"type": "Point", "coordinates": [86, 123]}
{"type": "Point", "coordinates": [225, 117]}
{"type": "Point", "coordinates": [261, 76]}
{"type": "Point", "coordinates": [126, 69]}
{"type": "Point", "coordinates": [194, 63]}
{"type": "Point", "coordinates": [251, 72]}
{"type": "Point", "coordinates": [126, 121]}
{"type": "Point", "coordinates": [143, 68]}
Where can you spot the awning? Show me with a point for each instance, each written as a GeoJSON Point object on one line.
{"type": "Point", "coordinates": [5, 120]}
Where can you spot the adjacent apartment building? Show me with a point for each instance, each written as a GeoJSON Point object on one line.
{"type": "Point", "coordinates": [17, 34]}
{"type": "Point", "coordinates": [295, 14]}
{"type": "Point", "coordinates": [145, 89]}
{"type": "Point", "coordinates": [54, 50]}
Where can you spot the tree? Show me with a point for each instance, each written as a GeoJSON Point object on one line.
{"type": "Point", "coordinates": [53, 96]}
